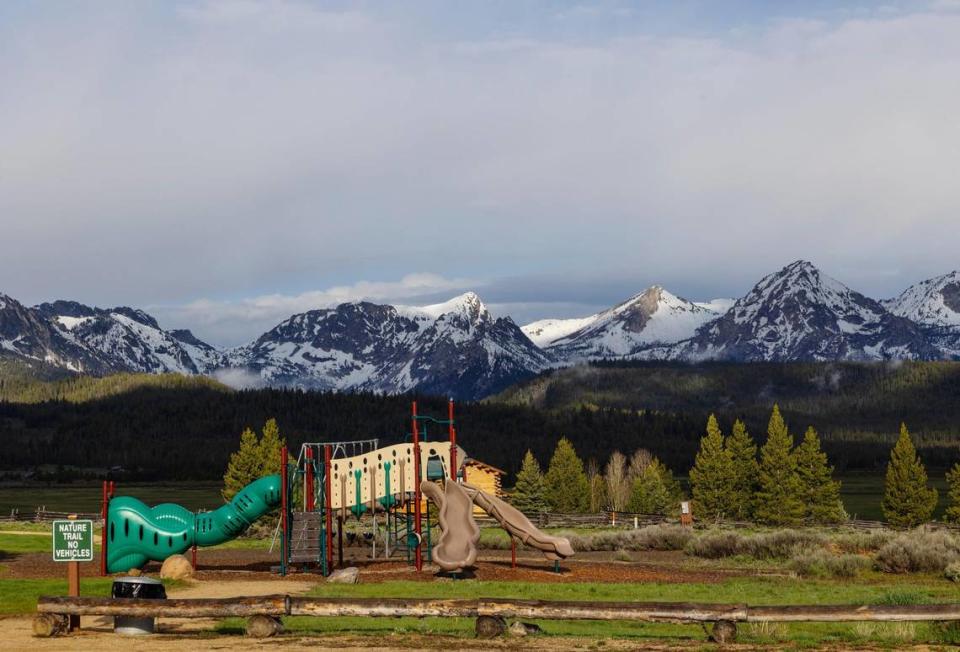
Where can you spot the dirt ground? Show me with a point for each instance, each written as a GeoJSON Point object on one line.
{"type": "Point", "coordinates": [257, 565]}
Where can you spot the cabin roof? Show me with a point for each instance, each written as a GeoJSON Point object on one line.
{"type": "Point", "coordinates": [486, 467]}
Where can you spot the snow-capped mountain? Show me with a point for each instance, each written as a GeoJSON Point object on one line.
{"type": "Point", "coordinates": [934, 304]}
{"type": "Point", "coordinates": [90, 340]}
{"type": "Point", "coordinates": [800, 313]}
{"type": "Point", "coordinates": [652, 317]}
{"type": "Point", "coordinates": [455, 348]}
{"type": "Point", "coordinates": [27, 334]}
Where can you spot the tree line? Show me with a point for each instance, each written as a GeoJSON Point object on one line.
{"type": "Point", "coordinates": [778, 483]}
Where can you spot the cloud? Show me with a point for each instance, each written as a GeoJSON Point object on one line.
{"type": "Point", "coordinates": [156, 153]}
{"type": "Point", "coordinates": [234, 322]}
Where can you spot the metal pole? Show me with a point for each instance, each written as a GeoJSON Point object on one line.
{"type": "Point", "coordinates": [328, 504]}
{"type": "Point", "coordinates": [73, 584]}
{"type": "Point", "coordinates": [104, 510]}
{"type": "Point", "coordinates": [284, 538]}
{"type": "Point", "coordinates": [453, 441]}
{"type": "Point", "coordinates": [308, 498]}
{"type": "Point", "coordinates": [416, 488]}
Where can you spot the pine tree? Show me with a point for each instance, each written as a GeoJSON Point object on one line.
{"type": "Point", "coordinates": [245, 466]}
{"type": "Point", "coordinates": [907, 500]}
{"type": "Point", "coordinates": [820, 492]}
{"type": "Point", "coordinates": [529, 491]}
{"type": "Point", "coordinates": [655, 491]}
{"type": "Point", "coordinates": [711, 478]}
{"type": "Point", "coordinates": [743, 462]}
{"type": "Point", "coordinates": [270, 445]}
{"type": "Point", "coordinates": [953, 492]}
{"type": "Point", "coordinates": [778, 499]}
{"type": "Point", "coordinates": [567, 489]}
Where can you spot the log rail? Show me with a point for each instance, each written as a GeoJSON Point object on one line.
{"type": "Point", "coordinates": [488, 610]}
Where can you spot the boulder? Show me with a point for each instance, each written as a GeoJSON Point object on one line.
{"type": "Point", "coordinates": [176, 567]}
{"type": "Point", "coordinates": [522, 629]}
{"type": "Point", "coordinates": [134, 572]}
{"type": "Point", "coordinates": [349, 575]}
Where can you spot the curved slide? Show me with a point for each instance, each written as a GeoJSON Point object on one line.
{"type": "Point", "coordinates": [138, 533]}
{"type": "Point", "coordinates": [457, 546]}
{"type": "Point", "coordinates": [513, 521]}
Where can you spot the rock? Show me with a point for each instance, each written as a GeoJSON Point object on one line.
{"type": "Point", "coordinates": [349, 575]}
{"type": "Point", "coordinates": [724, 631]}
{"type": "Point", "coordinates": [176, 567]}
{"type": "Point", "coordinates": [490, 626]}
{"type": "Point", "coordinates": [522, 629]}
{"type": "Point", "coordinates": [263, 626]}
{"type": "Point", "coordinates": [134, 572]}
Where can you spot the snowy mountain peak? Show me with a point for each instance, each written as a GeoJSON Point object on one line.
{"type": "Point", "coordinates": [467, 304]}
{"type": "Point", "coordinates": [655, 316]}
{"type": "Point", "coordinates": [934, 302]}
{"type": "Point", "coordinates": [799, 313]}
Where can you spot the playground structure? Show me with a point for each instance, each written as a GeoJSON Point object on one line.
{"type": "Point", "coordinates": [347, 483]}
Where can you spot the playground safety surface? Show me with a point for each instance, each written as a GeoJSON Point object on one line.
{"type": "Point", "coordinates": [254, 565]}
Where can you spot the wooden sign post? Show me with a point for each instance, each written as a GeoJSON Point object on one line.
{"type": "Point", "coordinates": [72, 544]}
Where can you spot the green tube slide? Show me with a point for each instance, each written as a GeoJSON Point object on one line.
{"type": "Point", "coordinates": [138, 534]}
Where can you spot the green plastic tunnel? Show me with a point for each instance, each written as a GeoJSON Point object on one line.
{"type": "Point", "coordinates": [138, 534]}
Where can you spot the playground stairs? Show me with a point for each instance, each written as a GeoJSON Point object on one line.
{"type": "Point", "coordinates": [305, 537]}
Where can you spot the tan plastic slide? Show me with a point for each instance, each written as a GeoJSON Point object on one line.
{"type": "Point", "coordinates": [457, 546]}
{"type": "Point", "coordinates": [513, 521]}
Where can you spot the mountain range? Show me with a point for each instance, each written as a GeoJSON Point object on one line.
{"type": "Point", "coordinates": [459, 348]}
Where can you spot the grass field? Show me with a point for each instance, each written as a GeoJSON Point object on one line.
{"type": "Point", "coordinates": [86, 497]}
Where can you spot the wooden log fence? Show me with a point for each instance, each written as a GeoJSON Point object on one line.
{"type": "Point", "coordinates": [52, 610]}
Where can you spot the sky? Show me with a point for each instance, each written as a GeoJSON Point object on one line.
{"type": "Point", "coordinates": [224, 165]}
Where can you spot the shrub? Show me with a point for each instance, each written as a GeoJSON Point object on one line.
{"type": "Point", "coordinates": [952, 571]}
{"type": "Point", "coordinates": [861, 542]}
{"type": "Point", "coordinates": [821, 563]}
{"type": "Point", "coordinates": [652, 537]}
{"type": "Point", "coordinates": [781, 544]}
{"type": "Point", "coordinates": [918, 551]}
{"type": "Point", "coordinates": [714, 545]}
{"type": "Point", "coordinates": [622, 555]}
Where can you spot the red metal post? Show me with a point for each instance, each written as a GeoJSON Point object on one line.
{"type": "Point", "coordinates": [309, 499]}
{"type": "Point", "coordinates": [328, 504]}
{"type": "Point", "coordinates": [284, 540]}
{"type": "Point", "coordinates": [104, 508]}
{"type": "Point", "coordinates": [453, 442]}
{"type": "Point", "coordinates": [193, 556]}
{"type": "Point", "coordinates": [416, 488]}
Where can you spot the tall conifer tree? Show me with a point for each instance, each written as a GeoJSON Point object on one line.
{"type": "Point", "coordinates": [567, 488]}
{"type": "Point", "coordinates": [907, 500]}
{"type": "Point", "coordinates": [529, 492]}
{"type": "Point", "coordinates": [778, 497]}
{"type": "Point", "coordinates": [655, 491]}
{"type": "Point", "coordinates": [245, 465]}
{"type": "Point", "coordinates": [743, 461]}
{"type": "Point", "coordinates": [820, 492]}
{"type": "Point", "coordinates": [711, 478]}
{"type": "Point", "coordinates": [953, 493]}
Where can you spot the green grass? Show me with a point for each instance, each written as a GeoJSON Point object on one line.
{"type": "Point", "coordinates": [17, 543]}
{"type": "Point", "coordinates": [85, 497]}
{"type": "Point", "coordinates": [19, 596]}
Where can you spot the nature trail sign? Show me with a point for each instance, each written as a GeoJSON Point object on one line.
{"type": "Point", "coordinates": [73, 540]}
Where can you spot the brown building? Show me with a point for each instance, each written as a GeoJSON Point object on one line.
{"type": "Point", "coordinates": [484, 477]}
